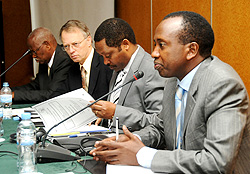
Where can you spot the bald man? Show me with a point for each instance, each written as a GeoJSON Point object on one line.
{"type": "Point", "coordinates": [54, 64]}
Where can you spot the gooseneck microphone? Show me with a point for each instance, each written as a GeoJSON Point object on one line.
{"type": "Point", "coordinates": [41, 151]}
{"type": "Point", "coordinates": [27, 52]}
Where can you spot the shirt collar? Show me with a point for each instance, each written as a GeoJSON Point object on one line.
{"type": "Point", "coordinates": [186, 81]}
{"type": "Point", "coordinates": [126, 69]}
{"type": "Point", "coordinates": [88, 61]}
{"type": "Point", "coordinates": [51, 60]}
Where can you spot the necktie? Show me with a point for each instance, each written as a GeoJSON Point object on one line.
{"type": "Point", "coordinates": [48, 70]}
{"type": "Point", "coordinates": [119, 81]}
{"type": "Point", "coordinates": [83, 74]}
{"type": "Point", "coordinates": [179, 115]}
{"type": "Point", "coordinates": [115, 95]}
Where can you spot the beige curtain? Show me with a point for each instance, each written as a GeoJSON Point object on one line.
{"type": "Point", "coordinates": [54, 13]}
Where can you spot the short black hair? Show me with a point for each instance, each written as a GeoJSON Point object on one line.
{"type": "Point", "coordinates": [114, 30]}
{"type": "Point", "coordinates": [195, 29]}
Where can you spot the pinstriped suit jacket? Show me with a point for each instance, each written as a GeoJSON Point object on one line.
{"type": "Point", "coordinates": [144, 95]}
{"type": "Point", "coordinates": [216, 113]}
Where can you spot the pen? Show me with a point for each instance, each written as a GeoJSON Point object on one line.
{"type": "Point", "coordinates": [80, 132]}
{"type": "Point", "coordinates": [77, 135]}
{"type": "Point", "coordinates": [117, 128]}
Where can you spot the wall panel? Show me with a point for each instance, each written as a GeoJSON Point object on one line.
{"type": "Point", "coordinates": [16, 27]}
{"type": "Point", "coordinates": [162, 7]}
{"type": "Point", "coordinates": [138, 14]}
{"type": "Point", "coordinates": [232, 35]}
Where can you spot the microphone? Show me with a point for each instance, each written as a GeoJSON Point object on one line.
{"type": "Point", "coordinates": [49, 153]}
{"type": "Point", "coordinates": [27, 52]}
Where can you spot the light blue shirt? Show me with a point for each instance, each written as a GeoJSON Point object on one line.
{"type": "Point", "coordinates": [146, 154]}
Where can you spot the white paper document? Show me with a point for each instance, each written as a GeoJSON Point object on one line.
{"type": "Point", "coordinates": [57, 109]}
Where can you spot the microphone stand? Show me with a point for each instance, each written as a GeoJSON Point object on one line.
{"type": "Point", "coordinates": [27, 52]}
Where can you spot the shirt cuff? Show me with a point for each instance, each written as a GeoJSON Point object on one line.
{"type": "Point", "coordinates": [138, 136]}
{"type": "Point", "coordinates": [145, 156]}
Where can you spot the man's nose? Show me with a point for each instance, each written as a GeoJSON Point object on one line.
{"type": "Point", "coordinates": [106, 61]}
{"type": "Point", "coordinates": [155, 53]}
{"type": "Point", "coordinates": [71, 49]}
{"type": "Point", "coordinates": [34, 56]}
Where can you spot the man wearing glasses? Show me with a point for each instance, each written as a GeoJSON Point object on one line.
{"type": "Point", "coordinates": [54, 64]}
{"type": "Point", "coordinates": [88, 71]}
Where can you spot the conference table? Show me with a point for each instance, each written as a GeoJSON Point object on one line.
{"type": "Point", "coordinates": [8, 160]}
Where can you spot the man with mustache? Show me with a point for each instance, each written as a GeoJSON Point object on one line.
{"type": "Point", "coordinates": [115, 41]}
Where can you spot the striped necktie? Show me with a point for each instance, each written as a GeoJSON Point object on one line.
{"type": "Point", "coordinates": [114, 98]}
{"type": "Point", "coordinates": [179, 115]}
{"type": "Point", "coordinates": [83, 74]}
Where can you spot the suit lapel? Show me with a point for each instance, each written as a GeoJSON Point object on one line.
{"type": "Point", "coordinates": [94, 73]}
{"type": "Point", "coordinates": [112, 83]}
{"type": "Point", "coordinates": [43, 69]}
{"type": "Point", "coordinates": [55, 61]}
{"type": "Point", "coordinates": [193, 90]}
{"type": "Point", "coordinates": [169, 113]}
{"type": "Point", "coordinates": [134, 68]}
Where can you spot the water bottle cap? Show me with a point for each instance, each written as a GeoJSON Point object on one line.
{"type": "Point", "coordinates": [26, 116]}
{"type": "Point", "coordinates": [5, 84]}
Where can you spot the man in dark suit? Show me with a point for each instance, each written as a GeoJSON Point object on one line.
{"type": "Point", "coordinates": [210, 129]}
{"type": "Point", "coordinates": [54, 64]}
{"type": "Point", "coordinates": [77, 43]}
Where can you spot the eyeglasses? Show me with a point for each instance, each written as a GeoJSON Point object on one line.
{"type": "Point", "coordinates": [74, 45]}
{"type": "Point", "coordinates": [32, 52]}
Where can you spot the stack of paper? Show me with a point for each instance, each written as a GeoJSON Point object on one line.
{"type": "Point", "coordinates": [59, 108]}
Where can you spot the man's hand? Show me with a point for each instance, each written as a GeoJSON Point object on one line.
{"type": "Point", "coordinates": [122, 151]}
{"type": "Point", "coordinates": [98, 121]}
{"type": "Point", "coordinates": [104, 109]}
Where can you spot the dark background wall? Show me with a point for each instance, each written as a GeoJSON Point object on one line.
{"type": "Point", "coordinates": [16, 27]}
{"type": "Point", "coordinates": [229, 19]}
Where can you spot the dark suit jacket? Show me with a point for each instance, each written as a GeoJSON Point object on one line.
{"type": "Point", "coordinates": [43, 86]}
{"type": "Point", "coordinates": [100, 75]}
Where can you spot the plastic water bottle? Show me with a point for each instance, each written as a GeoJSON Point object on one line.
{"type": "Point", "coordinates": [26, 145]}
{"type": "Point", "coordinates": [6, 100]}
{"type": "Point", "coordinates": [1, 126]}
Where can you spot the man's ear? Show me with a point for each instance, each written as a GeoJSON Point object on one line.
{"type": "Point", "coordinates": [125, 44]}
{"type": "Point", "coordinates": [193, 49]}
{"type": "Point", "coordinates": [47, 44]}
{"type": "Point", "coordinates": [89, 40]}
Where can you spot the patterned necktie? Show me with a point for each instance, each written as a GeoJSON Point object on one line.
{"type": "Point", "coordinates": [114, 98]}
{"type": "Point", "coordinates": [179, 115]}
{"type": "Point", "coordinates": [83, 74]}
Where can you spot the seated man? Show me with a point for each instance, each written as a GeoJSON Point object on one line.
{"type": "Point", "coordinates": [205, 107]}
{"type": "Point", "coordinates": [54, 64]}
{"type": "Point", "coordinates": [115, 41]}
{"type": "Point", "coordinates": [88, 70]}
